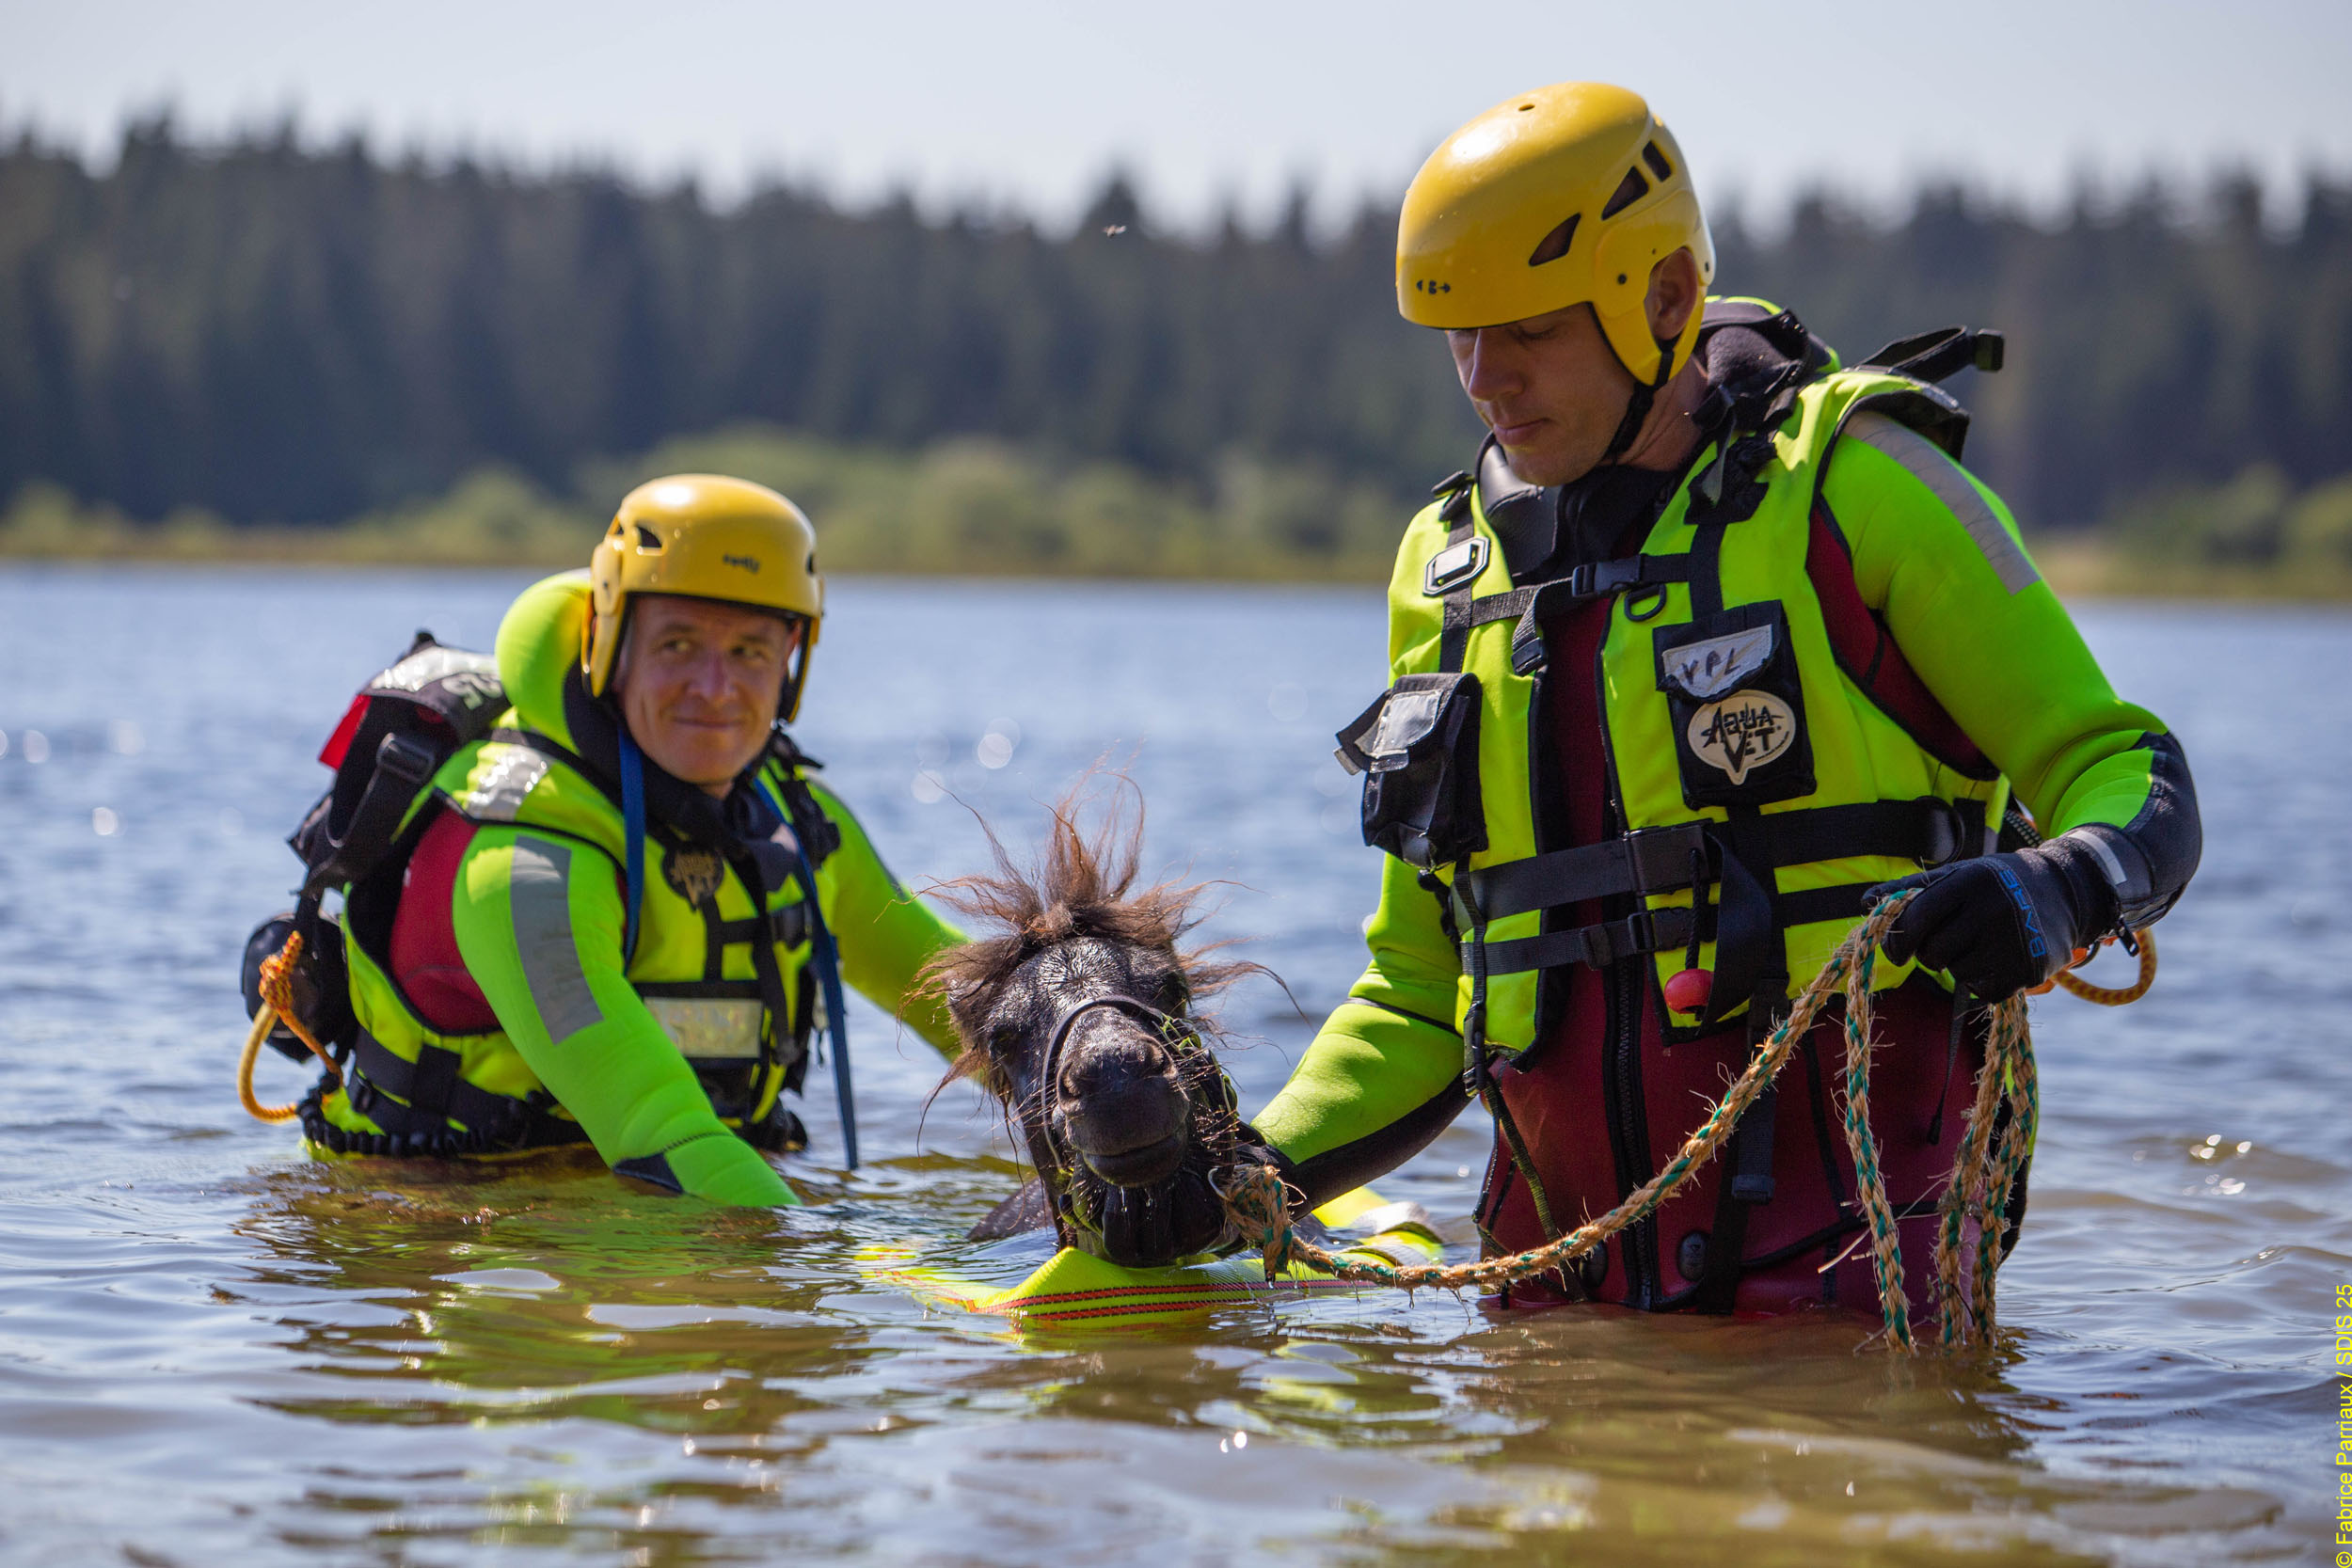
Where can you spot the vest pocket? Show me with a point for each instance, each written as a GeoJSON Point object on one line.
{"type": "Point", "coordinates": [1417, 748]}
{"type": "Point", "coordinates": [1735, 704]}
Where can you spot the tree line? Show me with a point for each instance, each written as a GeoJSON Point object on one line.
{"type": "Point", "coordinates": [279, 333]}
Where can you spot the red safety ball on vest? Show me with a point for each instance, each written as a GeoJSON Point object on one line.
{"type": "Point", "coordinates": [1688, 992]}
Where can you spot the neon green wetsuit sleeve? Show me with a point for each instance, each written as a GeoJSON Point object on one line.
{"type": "Point", "coordinates": [1937, 557]}
{"type": "Point", "coordinates": [1383, 1076]}
{"type": "Point", "coordinates": [538, 922]}
{"type": "Point", "coordinates": [884, 932]}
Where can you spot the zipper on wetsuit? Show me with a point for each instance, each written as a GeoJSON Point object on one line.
{"type": "Point", "coordinates": [1621, 1071]}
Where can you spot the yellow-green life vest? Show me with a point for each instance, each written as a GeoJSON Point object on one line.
{"type": "Point", "coordinates": [1739, 749]}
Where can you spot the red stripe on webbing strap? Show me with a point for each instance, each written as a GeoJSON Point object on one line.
{"type": "Point", "coordinates": [1245, 1286]}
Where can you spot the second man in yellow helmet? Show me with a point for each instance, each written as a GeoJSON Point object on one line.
{"type": "Point", "coordinates": [615, 918]}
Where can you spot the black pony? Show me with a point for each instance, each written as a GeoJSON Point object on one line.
{"type": "Point", "coordinates": [1076, 1013]}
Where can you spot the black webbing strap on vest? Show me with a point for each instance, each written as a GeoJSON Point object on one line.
{"type": "Point", "coordinates": [1454, 633]}
{"type": "Point", "coordinates": [1651, 860]}
{"type": "Point", "coordinates": [1537, 602]}
{"type": "Point", "coordinates": [403, 763]}
{"type": "Point", "coordinates": [787, 925]}
{"type": "Point", "coordinates": [1642, 931]}
{"type": "Point", "coordinates": [1929, 831]}
{"type": "Point", "coordinates": [430, 1093]}
{"type": "Point", "coordinates": [1745, 1182]}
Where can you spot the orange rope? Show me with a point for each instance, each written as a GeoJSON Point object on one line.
{"type": "Point", "coordinates": [2115, 996]}
{"type": "Point", "coordinates": [276, 1008]}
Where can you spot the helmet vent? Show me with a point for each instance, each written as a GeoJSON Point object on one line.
{"type": "Point", "coordinates": [1656, 162]}
{"type": "Point", "coordinates": [1630, 190]}
{"type": "Point", "coordinates": [1555, 244]}
{"type": "Point", "coordinates": [647, 540]}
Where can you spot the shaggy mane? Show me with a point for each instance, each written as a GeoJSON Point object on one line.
{"type": "Point", "coordinates": [1082, 885]}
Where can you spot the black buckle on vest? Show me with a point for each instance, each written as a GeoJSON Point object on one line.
{"type": "Point", "coordinates": [1637, 933]}
{"type": "Point", "coordinates": [1455, 566]}
{"type": "Point", "coordinates": [1661, 856]}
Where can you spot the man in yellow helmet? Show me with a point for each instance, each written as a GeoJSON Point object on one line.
{"type": "Point", "coordinates": [1715, 637]}
{"type": "Point", "coordinates": [616, 916]}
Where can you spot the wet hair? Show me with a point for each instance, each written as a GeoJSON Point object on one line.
{"type": "Point", "coordinates": [1082, 886]}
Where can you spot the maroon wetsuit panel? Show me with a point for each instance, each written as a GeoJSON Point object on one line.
{"type": "Point", "coordinates": [1867, 652]}
{"type": "Point", "coordinates": [425, 963]}
{"type": "Point", "coordinates": [1579, 1080]}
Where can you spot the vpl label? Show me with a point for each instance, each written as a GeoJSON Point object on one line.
{"type": "Point", "coordinates": [1741, 733]}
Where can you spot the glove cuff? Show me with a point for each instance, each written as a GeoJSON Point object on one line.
{"type": "Point", "coordinates": [2093, 905]}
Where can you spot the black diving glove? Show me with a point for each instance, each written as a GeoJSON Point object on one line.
{"type": "Point", "coordinates": [2000, 923]}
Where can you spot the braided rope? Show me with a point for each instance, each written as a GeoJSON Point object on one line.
{"type": "Point", "coordinates": [2115, 996]}
{"type": "Point", "coordinates": [1258, 1203]}
{"type": "Point", "coordinates": [1878, 1214]}
{"type": "Point", "coordinates": [2024, 1087]}
{"type": "Point", "coordinates": [276, 1008]}
{"type": "Point", "coordinates": [1959, 1201]}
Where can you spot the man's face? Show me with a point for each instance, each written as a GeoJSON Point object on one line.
{"type": "Point", "coordinates": [1549, 388]}
{"type": "Point", "coordinates": [699, 685]}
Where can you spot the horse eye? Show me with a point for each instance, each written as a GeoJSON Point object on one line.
{"type": "Point", "coordinates": [1004, 1039]}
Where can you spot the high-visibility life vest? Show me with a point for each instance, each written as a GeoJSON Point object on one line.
{"type": "Point", "coordinates": [723, 948]}
{"type": "Point", "coordinates": [1762, 782]}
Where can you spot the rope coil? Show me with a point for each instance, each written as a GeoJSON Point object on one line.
{"type": "Point", "coordinates": [276, 1008]}
{"type": "Point", "coordinates": [1994, 1150]}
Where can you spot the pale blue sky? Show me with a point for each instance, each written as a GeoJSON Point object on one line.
{"type": "Point", "coordinates": [1027, 103]}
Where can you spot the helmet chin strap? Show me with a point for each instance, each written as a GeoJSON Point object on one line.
{"type": "Point", "coordinates": [1637, 407]}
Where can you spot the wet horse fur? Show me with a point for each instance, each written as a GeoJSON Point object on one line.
{"type": "Point", "coordinates": [1139, 1113]}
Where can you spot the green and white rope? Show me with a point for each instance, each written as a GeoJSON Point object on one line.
{"type": "Point", "coordinates": [1987, 1169]}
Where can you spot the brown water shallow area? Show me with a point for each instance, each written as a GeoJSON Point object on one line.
{"type": "Point", "coordinates": [522, 1361]}
{"type": "Point", "coordinates": [213, 1351]}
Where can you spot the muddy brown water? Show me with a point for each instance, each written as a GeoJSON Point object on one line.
{"type": "Point", "coordinates": [213, 1352]}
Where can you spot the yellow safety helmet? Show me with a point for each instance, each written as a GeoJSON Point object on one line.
{"type": "Point", "coordinates": [1568, 195]}
{"type": "Point", "coordinates": [703, 536]}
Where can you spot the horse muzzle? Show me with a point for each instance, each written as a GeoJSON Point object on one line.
{"type": "Point", "coordinates": [1132, 1134]}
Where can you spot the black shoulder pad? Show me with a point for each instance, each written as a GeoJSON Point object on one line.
{"type": "Point", "coordinates": [1930, 357]}
{"type": "Point", "coordinates": [1525, 518]}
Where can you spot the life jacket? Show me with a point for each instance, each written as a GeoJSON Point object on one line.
{"type": "Point", "coordinates": [726, 938]}
{"type": "Point", "coordinates": [1765, 756]}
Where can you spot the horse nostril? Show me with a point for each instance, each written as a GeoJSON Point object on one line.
{"type": "Point", "coordinates": [1125, 1114]}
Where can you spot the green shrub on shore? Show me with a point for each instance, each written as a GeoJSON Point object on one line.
{"type": "Point", "coordinates": [974, 508]}
{"type": "Point", "coordinates": [966, 507]}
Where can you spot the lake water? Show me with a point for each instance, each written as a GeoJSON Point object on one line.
{"type": "Point", "coordinates": [212, 1352]}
